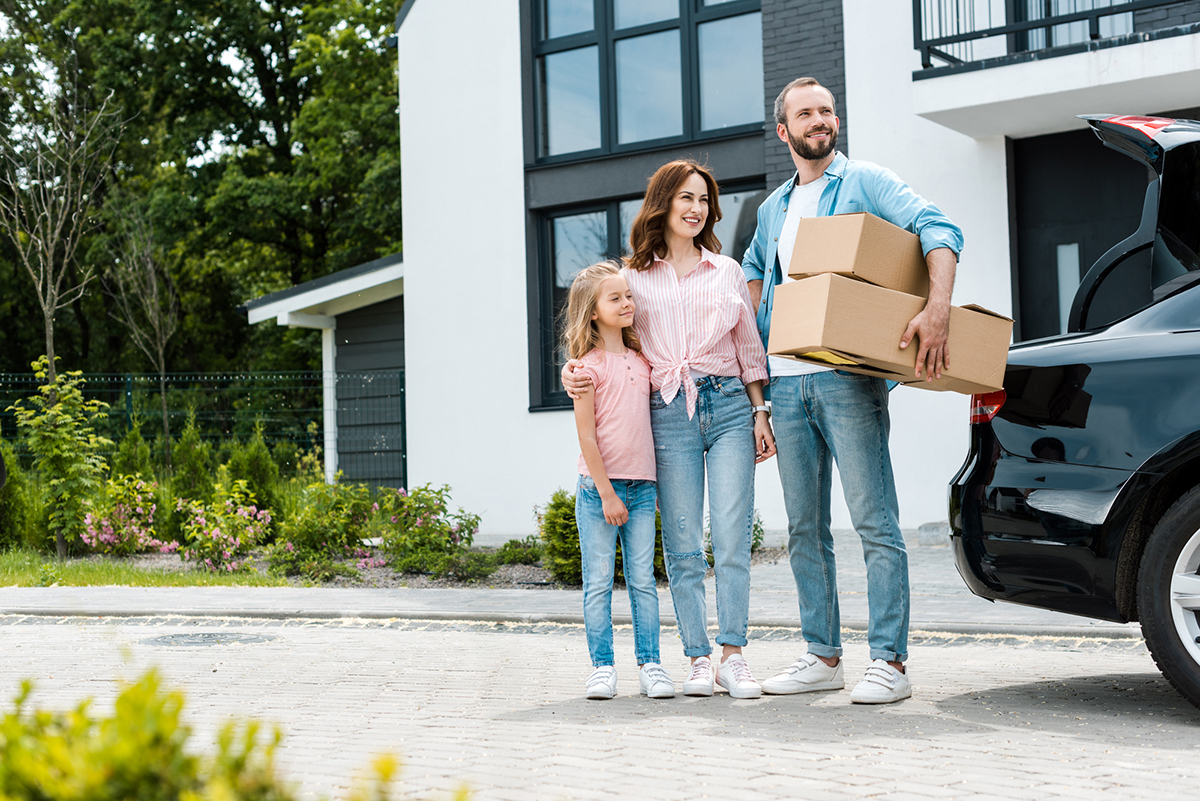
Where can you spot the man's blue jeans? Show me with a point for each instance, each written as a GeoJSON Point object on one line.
{"type": "Point", "coordinates": [598, 549]}
{"type": "Point", "coordinates": [722, 434]}
{"type": "Point", "coordinates": [818, 419]}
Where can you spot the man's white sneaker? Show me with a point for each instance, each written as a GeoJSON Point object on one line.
{"type": "Point", "coordinates": [808, 674]}
{"type": "Point", "coordinates": [735, 677]}
{"type": "Point", "coordinates": [882, 684]}
{"type": "Point", "coordinates": [700, 679]}
{"type": "Point", "coordinates": [655, 682]}
{"type": "Point", "coordinates": [602, 684]}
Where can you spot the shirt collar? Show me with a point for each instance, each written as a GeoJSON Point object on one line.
{"type": "Point", "coordinates": [836, 169]}
{"type": "Point", "coordinates": [705, 256]}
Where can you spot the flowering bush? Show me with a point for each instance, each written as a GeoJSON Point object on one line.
{"type": "Point", "coordinates": [122, 519]}
{"type": "Point", "coordinates": [324, 523]}
{"type": "Point", "coordinates": [417, 527]}
{"type": "Point", "coordinates": [221, 535]}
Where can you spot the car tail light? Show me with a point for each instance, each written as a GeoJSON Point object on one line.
{"type": "Point", "coordinates": [984, 407]}
{"type": "Point", "coordinates": [1150, 126]}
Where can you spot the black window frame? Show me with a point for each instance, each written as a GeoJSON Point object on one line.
{"type": "Point", "coordinates": [604, 36]}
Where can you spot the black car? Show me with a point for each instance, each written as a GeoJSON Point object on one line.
{"type": "Point", "coordinates": [1081, 491]}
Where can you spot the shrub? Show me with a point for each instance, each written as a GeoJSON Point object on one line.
{"type": "Point", "coordinates": [122, 518]}
{"type": "Point", "coordinates": [20, 507]}
{"type": "Point", "coordinates": [253, 464]}
{"type": "Point", "coordinates": [417, 527]}
{"type": "Point", "coordinates": [133, 455]}
{"type": "Point", "coordinates": [57, 422]}
{"type": "Point", "coordinates": [287, 456]}
{"type": "Point", "coordinates": [756, 535]}
{"type": "Point", "coordinates": [192, 461]}
{"type": "Point", "coordinates": [140, 751]}
{"type": "Point", "coordinates": [462, 566]}
{"type": "Point", "coordinates": [560, 534]}
{"type": "Point", "coordinates": [220, 535]}
{"type": "Point", "coordinates": [323, 521]}
{"type": "Point", "coordinates": [520, 552]}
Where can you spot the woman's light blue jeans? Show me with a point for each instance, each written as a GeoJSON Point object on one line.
{"type": "Point", "coordinates": [818, 419]}
{"type": "Point", "coordinates": [722, 434]}
{"type": "Point", "coordinates": [598, 548]}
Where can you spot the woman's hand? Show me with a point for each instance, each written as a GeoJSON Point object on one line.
{"type": "Point", "coordinates": [764, 438]}
{"type": "Point", "coordinates": [573, 384]}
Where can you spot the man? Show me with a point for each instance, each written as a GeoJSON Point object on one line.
{"type": "Point", "coordinates": [821, 415]}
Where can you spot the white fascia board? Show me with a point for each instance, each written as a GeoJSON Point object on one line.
{"type": "Point", "coordinates": [339, 298]}
{"type": "Point", "coordinates": [1043, 96]}
{"type": "Point", "coordinates": [301, 320]}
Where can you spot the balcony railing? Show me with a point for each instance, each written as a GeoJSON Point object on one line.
{"type": "Point", "coordinates": [962, 33]}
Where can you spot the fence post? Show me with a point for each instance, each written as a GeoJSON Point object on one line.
{"type": "Point", "coordinates": [128, 400]}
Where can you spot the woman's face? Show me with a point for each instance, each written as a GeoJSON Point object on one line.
{"type": "Point", "coordinates": [689, 208]}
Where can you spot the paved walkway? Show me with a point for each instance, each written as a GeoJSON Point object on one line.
{"type": "Point", "coordinates": [940, 600]}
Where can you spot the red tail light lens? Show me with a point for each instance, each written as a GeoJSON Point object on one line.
{"type": "Point", "coordinates": [984, 407]}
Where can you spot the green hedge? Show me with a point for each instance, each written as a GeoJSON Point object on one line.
{"type": "Point", "coordinates": [561, 537]}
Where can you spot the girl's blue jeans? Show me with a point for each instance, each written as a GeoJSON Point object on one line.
{"type": "Point", "coordinates": [598, 547]}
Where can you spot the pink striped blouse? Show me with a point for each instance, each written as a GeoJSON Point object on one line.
{"type": "Point", "coordinates": [703, 322]}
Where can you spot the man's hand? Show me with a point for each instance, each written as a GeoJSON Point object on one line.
{"type": "Point", "coordinates": [573, 384]}
{"type": "Point", "coordinates": [932, 325]}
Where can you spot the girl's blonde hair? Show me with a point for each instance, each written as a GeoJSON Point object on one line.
{"type": "Point", "coordinates": [579, 333]}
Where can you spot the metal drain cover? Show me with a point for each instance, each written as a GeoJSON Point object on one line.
{"type": "Point", "coordinates": [209, 638]}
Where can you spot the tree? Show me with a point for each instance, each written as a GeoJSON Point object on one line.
{"type": "Point", "coordinates": [54, 162]}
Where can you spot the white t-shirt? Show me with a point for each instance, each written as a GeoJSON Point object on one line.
{"type": "Point", "coordinates": [802, 203]}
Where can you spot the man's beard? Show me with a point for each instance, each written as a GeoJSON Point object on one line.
{"type": "Point", "coordinates": [805, 151]}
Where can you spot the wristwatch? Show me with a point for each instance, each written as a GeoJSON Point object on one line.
{"type": "Point", "coordinates": [756, 409]}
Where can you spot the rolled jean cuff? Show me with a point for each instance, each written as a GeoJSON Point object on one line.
{"type": "Point", "coordinates": [827, 651]}
{"type": "Point", "coordinates": [644, 658]}
{"type": "Point", "coordinates": [699, 650]}
{"type": "Point", "coordinates": [731, 639]}
{"type": "Point", "coordinates": [887, 656]}
{"type": "Point", "coordinates": [602, 663]}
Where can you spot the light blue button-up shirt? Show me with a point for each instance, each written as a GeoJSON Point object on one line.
{"type": "Point", "coordinates": [853, 186]}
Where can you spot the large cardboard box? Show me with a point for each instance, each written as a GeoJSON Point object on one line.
{"type": "Point", "coordinates": [862, 246]}
{"type": "Point", "coordinates": [855, 326]}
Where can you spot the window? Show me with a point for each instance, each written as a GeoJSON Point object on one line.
{"type": "Point", "coordinates": [571, 239]}
{"type": "Point", "coordinates": [619, 75]}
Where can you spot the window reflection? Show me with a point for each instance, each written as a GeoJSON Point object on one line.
{"type": "Point", "coordinates": [577, 241]}
{"type": "Point", "coordinates": [565, 17]}
{"type": "Point", "coordinates": [649, 90]}
{"type": "Point", "coordinates": [570, 94]}
{"type": "Point", "coordinates": [731, 72]}
{"type": "Point", "coordinates": [629, 13]}
{"type": "Point", "coordinates": [627, 210]}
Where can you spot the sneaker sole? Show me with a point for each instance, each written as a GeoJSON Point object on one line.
{"type": "Point", "coordinates": [698, 692]}
{"type": "Point", "coordinates": [659, 695]}
{"type": "Point", "coordinates": [742, 694]}
{"type": "Point", "coordinates": [805, 688]}
{"type": "Point", "coordinates": [854, 700]}
{"type": "Point", "coordinates": [600, 697]}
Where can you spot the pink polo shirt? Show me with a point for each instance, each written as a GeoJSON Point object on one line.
{"type": "Point", "coordinates": [622, 383]}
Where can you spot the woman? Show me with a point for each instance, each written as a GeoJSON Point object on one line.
{"type": "Point", "coordinates": [706, 410]}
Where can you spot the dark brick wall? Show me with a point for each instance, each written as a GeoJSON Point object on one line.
{"type": "Point", "coordinates": [801, 37]}
{"type": "Point", "coordinates": [1153, 19]}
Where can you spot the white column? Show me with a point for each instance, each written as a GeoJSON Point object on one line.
{"type": "Point", "coordinates": [329, 374]}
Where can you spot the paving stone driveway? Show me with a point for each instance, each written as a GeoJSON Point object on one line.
{"type": "Point", "coordinates": [498, 706]}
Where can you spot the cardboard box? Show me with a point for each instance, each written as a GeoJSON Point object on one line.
{"type": "Point", "coordinates": [862, 246]}
{"type": "Point", "coordinates": [855, 326]}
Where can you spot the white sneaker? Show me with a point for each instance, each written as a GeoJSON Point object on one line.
{"type": "Point", "coordinates": [808, 674]}
{"type": "Point", "coordinates": [700, 679]}
{"type": "Point", "coordinates": [655, 682]}
{"type": "Point", "coordinates": [882, 684]}
{"type": "Point", "coordinates": [735, 677]}
{"type": "Point", "coordinates": [602, 684]}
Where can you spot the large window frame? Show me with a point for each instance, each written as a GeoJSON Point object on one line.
{"type": "Point", "coordinates": [604, 36]}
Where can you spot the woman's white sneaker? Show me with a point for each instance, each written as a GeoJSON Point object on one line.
{"type": "Point", "coordinates": [602, 684]}
{"type": "Point", "coordinates": [735, 677]}
{"type": "Point", "coordinates": [700, 679]}
{"type": "Point", "coordinates": [807, 674]}
{"type": "Point", "coordinates": [655, 682]}
{"type": "Point", "coordinates": [882, 684]}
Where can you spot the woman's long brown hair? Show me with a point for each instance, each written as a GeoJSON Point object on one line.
{"type": "Point", "coordinates": [647, 237]}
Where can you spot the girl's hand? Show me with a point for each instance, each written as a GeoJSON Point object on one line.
{"type": "Point", "coordinates": [573, 384]}
{"type": "Point", "coordinates": [615, 513]}
{"type": "Point", "coordinates": [764, 438]}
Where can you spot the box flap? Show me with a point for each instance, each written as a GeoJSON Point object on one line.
{"type": "Point", "coordinates": [982, 310]}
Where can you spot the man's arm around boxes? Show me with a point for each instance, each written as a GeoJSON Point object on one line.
{"type": "Point", "coordinates": [820, 414]}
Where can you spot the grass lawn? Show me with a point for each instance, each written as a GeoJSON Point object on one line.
{"type": "Point", "coordinates": [21, 568]}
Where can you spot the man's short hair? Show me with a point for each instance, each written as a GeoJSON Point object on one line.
{"type": "Point", "coordinates": [780, 113]}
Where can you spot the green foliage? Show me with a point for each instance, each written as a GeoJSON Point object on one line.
{"type": "Point", "coordinates": [133, 455]}
{"type": "Point", "coordinates": [57, 423]}
{"type": "Point", "coordinates": [252, 463]}
{"type": "Point", "coordinates": [192, 461]}
{"type": "Point", "coordinates": [461, 566]}
{"type": "Point", "coordinates": [560, 533]}
{"type": "Point", "coordinates": [520, 552]}
{"type": "Point", "coordinates": [121, 520]}
{"type": "Point", "coordinates": [20, 506]}
{"type": "Point", "coordinates": [322, 522]}
{"type": "Point", "coordinates": [756, 535]}
{"type": "Point", "coordinates": [287, 456]}
{"type": "Point", "coordinates": [49, 575]}
{"type": "Point", "coordinates": [417, 527]}
{"type": "Point", "coordinates": [221, 535]}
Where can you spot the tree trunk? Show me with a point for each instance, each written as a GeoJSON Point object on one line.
{"type": "Point", "coordinates": [52, 375]}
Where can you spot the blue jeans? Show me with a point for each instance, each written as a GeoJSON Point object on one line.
{"type": "Point", "coordinates": [721, 433]}
{"type": "Point", "coordinates": [819, 418]}
{"type": "Point", "coordinates": [598, 548]}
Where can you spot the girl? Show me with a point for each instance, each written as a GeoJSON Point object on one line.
{"type": "Point", "coordinates": [616, 494]}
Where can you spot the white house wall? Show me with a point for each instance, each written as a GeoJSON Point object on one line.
{"type": "Point", "coordinates": [467, 372]}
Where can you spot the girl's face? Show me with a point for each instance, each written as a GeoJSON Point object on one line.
{"type": "Point", "coordinates": [614, 303]}
{"type": "Point", "coordinates": [689, 208]}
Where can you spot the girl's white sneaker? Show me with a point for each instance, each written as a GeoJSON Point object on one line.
{"type": "Point", "coordinates": [700, 679]}
{"type": "Point", "coordinates": [655, 682]}
{"type": "Point", "coordinates": [882, 684]}
{"type": "Point", "coordinates": [602, 684]}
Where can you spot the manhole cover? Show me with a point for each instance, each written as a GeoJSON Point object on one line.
{"type": "Point", "coordinates": [208, 638]}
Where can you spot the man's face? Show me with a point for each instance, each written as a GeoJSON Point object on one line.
{"type": "Point", "coordinates": [811, 126]}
